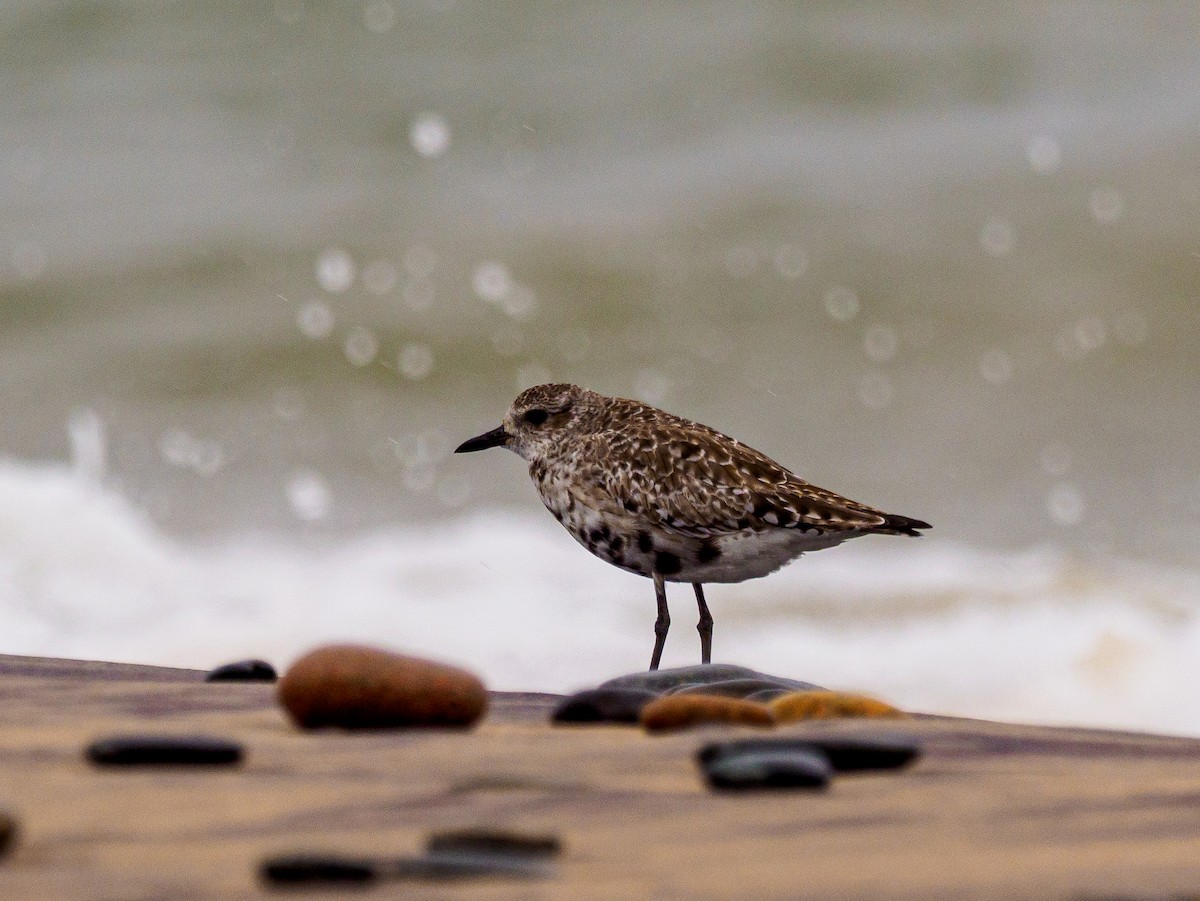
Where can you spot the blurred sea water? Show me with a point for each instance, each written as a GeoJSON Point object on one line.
{"type": "Point", "coordinates": [263, 266]}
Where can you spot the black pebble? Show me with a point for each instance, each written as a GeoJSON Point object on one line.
{"type": "Point", "coordinates": [294, 869]}
{"type": "Point", "coordinates": [489, 841]}
{"type": "Point", "coordinates": [8, 832]}
{"type": "Point", "coordinates": [750, 770]}
{"type": "Point", "coordinates": [154, 750]}
{"type": "Point", "coordinates": [298, 869]}
{"type": "Point", "coordinates": [243, 671]}
{"type": "Point", "coordinates": [846, 753]}
{"type": "Point", "coordinates": [603, 705]}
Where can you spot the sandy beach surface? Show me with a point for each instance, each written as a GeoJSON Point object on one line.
{"type": "Point", "coordinates": [991, 810]}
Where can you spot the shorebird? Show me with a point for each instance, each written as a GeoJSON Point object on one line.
{"type": "Point", "coordinates": [671, 499]}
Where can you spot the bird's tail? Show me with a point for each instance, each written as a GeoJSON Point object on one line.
{"type": "Point", "coordinates": [893, 524]}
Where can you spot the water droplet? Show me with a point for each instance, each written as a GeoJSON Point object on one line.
{"type": "Point", "coordinates": [415, 361]}
{"type": "Point", "coordinates": [492, 281]}
{"type": "Point", "coordinates": [379, 277]}
{"type": "Point", "coordinates": [997, 237]}
{"type": "Point", "coordinates": [309, 495]}
{"type": "Point", "coordinates": [519, 302]}
{"type": "Point", "coordinates": [790, 261]}
{"type": "Point", "coordinates": [315, 319]}
{"type": "Point", "coordinates": [1090, 333]}
{"type": "Point", "coordinates": [1065, 504]}
{"type": "Point", "coordinates": [875, 390]}
{"type": "Point", "coordinates": [996, 366]}
{"type": "Point", "coordinates": [430, 135]}
{"type": "Point", "coordinates": [335, 270]}
{"type": "Point", "coordinates": [419, 476]}
{"type": "Point", "coordinates": [185, 451]}
{"type": "Point", "coordinates": [841, 303]}
{"type": "Point", "coordinates": [1044, 153]}
{"type": "Point", "coordinates": [360, 346]}
{"type": "Point", "coordinates": [379, 16]}
{"type": "Point", "coordinates": [208, 458]}
{"type": "Point", "coordinates": [1105, 204]}
{"type": "Point", "coordinates": [880, 343]}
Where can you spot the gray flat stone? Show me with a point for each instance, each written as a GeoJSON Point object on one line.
{"type": "Point", "coordinates": [765, 770]}
{"type": "Point", "coordinates": [661, 681]}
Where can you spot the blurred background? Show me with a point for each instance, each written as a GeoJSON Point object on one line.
{"type": "Point", "coordinates": [262, 266]}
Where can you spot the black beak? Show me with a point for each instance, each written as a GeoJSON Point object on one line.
{"type": "Point", "coordinates": [497, 437]}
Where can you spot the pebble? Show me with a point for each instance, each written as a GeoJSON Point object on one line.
{"type": "Point", "coordinates": [299, 869]}
{"type": "Point", "coordinates": [660, 681]}
{"type": "Point", "coordinates": [603, 705]}
{"type": "Point", "coordinates": [845, 753]}
{"type": "Point", "coordinates": [164, 750]}
{"type": "Point", "coordinates": [755, 689]}
{"type": "Point", "coordinates": [790, 767]}
{"type": "Point", "coordinates": [684, 711]}
{"type": "Point", "coordinates": [491, 841]}
{"type": "Point", "coordinates": [243, 671]}
{"type": "Point", "coordinates": [356, 687]}
{"type": "Point", "coordinates": [315, 869]}
{"type": "Point", "coordinates": [8, 832]}
{"type": "Point", "coordinates": [823, 705]}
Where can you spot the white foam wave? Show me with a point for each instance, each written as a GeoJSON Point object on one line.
{"type": "Point", "coordinates": [929, 625]}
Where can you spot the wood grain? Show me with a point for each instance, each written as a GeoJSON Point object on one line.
{"type": "Point", "coordinates": [991, 811]}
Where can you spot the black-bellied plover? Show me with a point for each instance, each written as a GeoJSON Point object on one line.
{"type": "Point", "coordinates": [664, 497]}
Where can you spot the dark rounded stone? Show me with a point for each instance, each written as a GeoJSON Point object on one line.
{"type": "Point", "coordinates": [662, 680]}
{"type": "Point", "coordinates": [750, 689]}
{"type": "Point", "coordinates": [774, 769]}
{"type": "Point", "coordinates": [164, 750]}
{"type": "Point", "coordinates": [845, 753]}
{"type": "Point", "coordinates": [884, 752]}
{"type": "Point", "coordinates": [298, 869]}
{"type": "Point", "coordinates": [8, 832]}
{"type": "Point", "coordinates": [243, 671]}
{"type": "Point", "coordinates": [603, 705]}
{"type": "Point", "coordinates": [491, 841]}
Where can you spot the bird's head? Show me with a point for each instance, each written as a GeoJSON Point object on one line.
{"type": "Point", "coordinates": [538, 422]}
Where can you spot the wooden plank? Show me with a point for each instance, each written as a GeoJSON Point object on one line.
{"type": "Point", "coordinates": [991, 811]}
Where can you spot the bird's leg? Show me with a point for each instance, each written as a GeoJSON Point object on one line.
{"type": "Point", "coordinates": [663, 623]}
{"type": "Point", "coordinates": [704, 627]}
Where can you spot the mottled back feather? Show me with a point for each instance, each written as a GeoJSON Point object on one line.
{"type": "Point", "coordinates": [690, 479]}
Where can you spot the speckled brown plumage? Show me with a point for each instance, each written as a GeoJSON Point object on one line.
{"type": "Point", "coordinates": [669, 498]}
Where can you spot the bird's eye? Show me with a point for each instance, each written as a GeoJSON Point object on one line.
{"type": "Point", "coordinates": [536, 416]}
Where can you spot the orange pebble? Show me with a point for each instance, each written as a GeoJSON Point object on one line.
{"type": "Point", "coordinates": [826, 705]}
{"type": "Point", "coordinates": [357, 687]}
{"type": "Point", "coordinates": [684, 711]}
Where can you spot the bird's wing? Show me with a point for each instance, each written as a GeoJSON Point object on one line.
{"type": "Point", "coordinates": [694, 480]}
